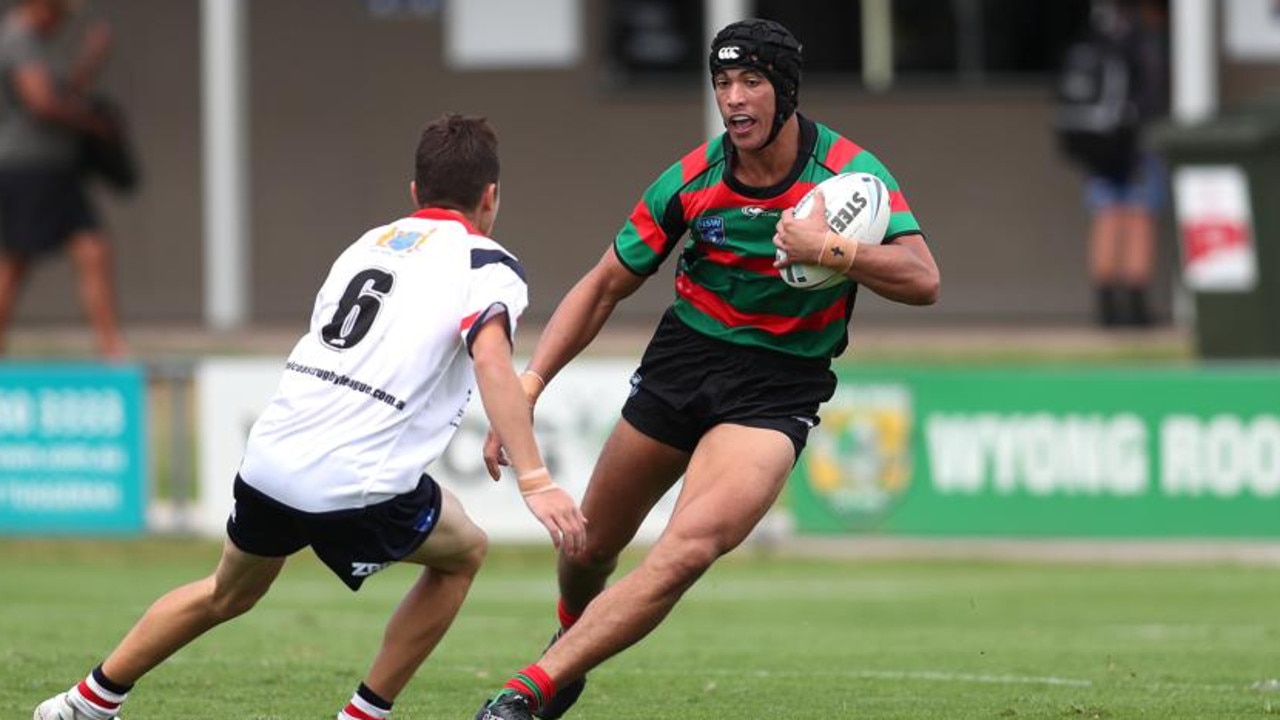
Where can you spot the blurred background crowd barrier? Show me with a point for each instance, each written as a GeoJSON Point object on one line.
{"type": "Point", "coordinates": [1032, 452]}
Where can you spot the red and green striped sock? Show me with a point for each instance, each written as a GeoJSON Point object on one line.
{"type": "Point", "coordinates": [567, 618]}
{"type": "Point", "coordinates": [533, 683]}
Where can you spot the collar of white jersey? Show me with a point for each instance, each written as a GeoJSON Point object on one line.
{"type": "Point", "coordinates": [435, 213]}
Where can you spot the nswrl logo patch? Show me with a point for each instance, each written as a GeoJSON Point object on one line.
{"type": "Point", "coordinates": [711, 229]}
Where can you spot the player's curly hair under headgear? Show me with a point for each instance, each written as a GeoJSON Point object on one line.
{"type": "Point", "coordinates": [771, 49]}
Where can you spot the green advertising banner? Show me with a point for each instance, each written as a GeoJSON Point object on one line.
{"type": "Point", "coordinates": [1189, 452]}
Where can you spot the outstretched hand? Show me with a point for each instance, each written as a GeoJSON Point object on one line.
{"type": "Point", "coordinates": [494, 457]}
{"type": "Point", "coordinates": [560, 515]}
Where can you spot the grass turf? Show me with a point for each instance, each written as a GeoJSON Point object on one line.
{"type": "Point", "coordinates": [759, 637]}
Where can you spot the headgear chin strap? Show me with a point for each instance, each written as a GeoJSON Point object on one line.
{"type": "Point", "coordinates": [769, 48]}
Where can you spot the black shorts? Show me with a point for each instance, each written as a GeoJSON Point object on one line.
{"type": "Point", "coordinates": [688, 383]}
{"type": "Point", "coordinates": [354, 543]}
{"type": "Point", "coordinates": [41, 209]}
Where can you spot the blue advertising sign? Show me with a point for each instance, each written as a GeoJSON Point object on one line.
{"type": "Point", "coordinates": [72, 458]}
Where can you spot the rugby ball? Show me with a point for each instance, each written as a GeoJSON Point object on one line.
{"type": "Point", "coordinates": [857, 208]}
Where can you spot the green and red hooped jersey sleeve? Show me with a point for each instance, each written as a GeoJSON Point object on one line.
{"type": "Point", "coordinates": [726, 285]}
{"type": "Point", "coordinates": [657, 222]}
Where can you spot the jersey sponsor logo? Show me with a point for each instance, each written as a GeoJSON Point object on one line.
{"type": "Point", "coordinates": [365, 569]}
{"type": "Point", "coordinates": [840, 218]}
{"type": "Point", "coordinates": [402, 241]}
{"type": "Point", "coordinates": [755, 211]}
{"type": "Point", "coordinates": [729, 52]}
{"type": "Point", "coordinates": [346, 381]}
{"type": "Point", "coordinates": [711, 229]}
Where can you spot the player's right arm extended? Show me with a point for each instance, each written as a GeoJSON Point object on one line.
{"type": "Point", "coordinates": [579, 317]}
{"type": "Point", "coordinates": [575, 323]}
{"type": "Point", "coordinates": [508, 411]}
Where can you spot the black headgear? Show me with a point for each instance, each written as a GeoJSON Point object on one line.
{"type": "Point", "coordinates": [770, 48]}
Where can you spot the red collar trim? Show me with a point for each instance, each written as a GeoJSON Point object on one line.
{"type": "Point", "coordinates": [432, 213]}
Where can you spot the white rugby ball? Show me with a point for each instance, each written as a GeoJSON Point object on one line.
{"type": "Point", "coordinates": [857, 208]}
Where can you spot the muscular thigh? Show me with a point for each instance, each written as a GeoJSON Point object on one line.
{"type": "Point", "coordinates": [734, 477]}
{"type": "Point", "coordinates": [631, 475]}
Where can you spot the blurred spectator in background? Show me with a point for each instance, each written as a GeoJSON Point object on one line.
{"type": "Point", "coordinates": [1113, 85]}
{"type": "Point", "coordinates": [46, 114]}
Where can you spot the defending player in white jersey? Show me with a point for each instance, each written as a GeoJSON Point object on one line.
{"type": "Point", "coordinates": [412, 316]}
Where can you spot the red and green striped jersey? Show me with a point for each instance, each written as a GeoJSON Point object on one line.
{"type": "Point", "coordinates": [726, 285]}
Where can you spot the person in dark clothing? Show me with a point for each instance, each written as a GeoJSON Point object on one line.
{"type": "Point", "coordinates": [44, 206]}
{"type": "Point", "coordinates": [1124, 212]}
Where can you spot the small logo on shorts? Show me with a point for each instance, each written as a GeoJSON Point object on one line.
{"type": "Point", "coordinates": [635, 384]}
{"type": "Point", "coordinates": [365, 569]}
{"type": "Point", "coordinates": [806, 421]}
{"type": "Point", "coordinates": [425, 520]}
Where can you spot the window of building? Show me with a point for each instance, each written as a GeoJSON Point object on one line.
{"type": "Point", "coordinates": [879, 43]}
{"type": "Point", "coordinates": [656, 40]}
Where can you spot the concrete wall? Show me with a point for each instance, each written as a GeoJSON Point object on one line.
{"type": "Point", "coordinates": [337, 99]}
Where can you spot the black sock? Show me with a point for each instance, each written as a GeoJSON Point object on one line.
{"type": "Point", "coordinates": [109, 684]}
{"type": "Point", "coordinates": [366, 703]}
{"type": "Point", "coordinates": [1139, 313]}
{"type": "Point", "coordinates": [1109, 314]}
{"type": "Point", "coordinates": [373, 698]}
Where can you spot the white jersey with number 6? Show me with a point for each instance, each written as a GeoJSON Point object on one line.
{"type": "Point", "coordinates": [375, 391]}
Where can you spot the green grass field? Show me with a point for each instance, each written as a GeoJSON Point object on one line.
{"type": "Point", "coordinates": [760, 637]}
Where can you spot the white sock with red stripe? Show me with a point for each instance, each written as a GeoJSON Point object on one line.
{"type": "Point", "coordinates": [97, 696]}
{"type": "Point", "coordinates": [366, 705]}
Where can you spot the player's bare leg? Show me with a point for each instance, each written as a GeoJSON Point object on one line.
{"type": "Point", "coordinates": [733, 479]}
{"type": "Point", "coordinates": [452, 555]}
{"type": "Point", "coordinates": [177, 618]}
{"type": "Point", "coordinates": [631, 475]}
{"type": "Point", "coordinates": [185, 613]}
